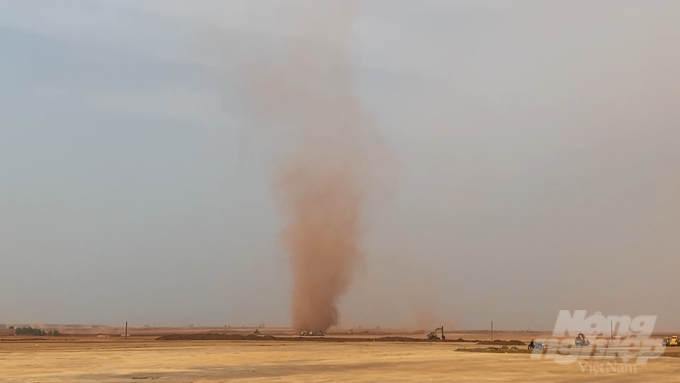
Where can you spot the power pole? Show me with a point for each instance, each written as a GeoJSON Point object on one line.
{"type": "Point", "coordinates": [125, 329]}
{"type": "Point", "coordinates": [492, 331]}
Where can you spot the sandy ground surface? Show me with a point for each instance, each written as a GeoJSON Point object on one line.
{"type": "Point", "coordinates": [147, 360]}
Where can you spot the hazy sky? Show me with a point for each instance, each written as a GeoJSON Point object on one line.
{"type": "Point", "coordinates": [536, 147]}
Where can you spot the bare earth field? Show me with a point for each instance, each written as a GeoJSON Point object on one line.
{"type": "Point", "coordinates": [91, 359]}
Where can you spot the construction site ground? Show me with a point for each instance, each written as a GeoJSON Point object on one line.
{"type": "Point", "coordinates": [98, 358]}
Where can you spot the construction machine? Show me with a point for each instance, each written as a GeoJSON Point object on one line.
{"type": "Point", "coordinates": [670, 342]}
{"type": "Point", "coordinates": [433, 334]}
{"type": "Point", "coordinates": [312, 333]}
{"type": "Point", "coordinates": [536, 345]}
{"type": "Point", "coordinates": [581, 340]}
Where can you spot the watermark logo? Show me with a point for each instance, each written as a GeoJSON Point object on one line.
{"type": "Point", "coordinates": [612, 344]}
{"type": "Point", "coordinates": [608, 367]}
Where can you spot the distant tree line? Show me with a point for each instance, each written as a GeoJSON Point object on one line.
{"type": "Point", "coordinates": [35, 332]}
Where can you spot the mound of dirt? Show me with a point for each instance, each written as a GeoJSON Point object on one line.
{"type": "Point", "coordinates": [496, 350]}
{"type": "Point", "coordinates": [212, 336]}
{"type": "Point", "coordinates": [499, 342]}
{"type": "Point", "coordinates": [399, 339]}
{"type": "Point", "coordinates": [215, 336]}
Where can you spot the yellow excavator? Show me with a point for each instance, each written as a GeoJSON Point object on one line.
{"type": "Point", "coordinates": [433, 334]}
{"type": "Point", "coordinates": [670, 342]}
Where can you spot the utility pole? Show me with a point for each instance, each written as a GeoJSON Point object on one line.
{"type": "Point", "coordinates": [125, 329]}
{"type": "Point", "coordinates": [611, 332]}
{"type": "Point", "coordinates": [492, 331]}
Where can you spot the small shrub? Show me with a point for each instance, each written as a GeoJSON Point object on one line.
{"type": "Point", "coordinates": [30, 331]}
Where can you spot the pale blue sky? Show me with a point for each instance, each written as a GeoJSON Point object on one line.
{"type": "Point", "coordinates": [534, 140]}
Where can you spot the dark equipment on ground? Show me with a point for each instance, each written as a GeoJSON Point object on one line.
{"type": "Point", "coordinates": [536, 345]}
{"type": "Point", "coordinates": [433, 334]}
{"type": "Point", "coordinates": [312, 333]}
{"type": "Point", "coordinates": [581, 340]}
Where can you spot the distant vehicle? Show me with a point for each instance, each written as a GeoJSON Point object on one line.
{"type": "Point", "coordinates": [312, 333]}
{"type": "Point", "coordinates": [670, 342]}
{"type": "Point", "coordinates": [581, 340]}
{"type": "Point", "coordinates": [536, 345]}
{"type": "Point", "coordinates": [433, 335]}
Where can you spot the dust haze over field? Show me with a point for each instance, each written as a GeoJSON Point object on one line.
{"type": "Point", "coordinates": [322, 182]}
{"type": "Point", "coordinates": [157, 157]}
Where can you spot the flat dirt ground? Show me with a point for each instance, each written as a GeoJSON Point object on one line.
{"type": "Point", "coordinates": [148, 360]}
